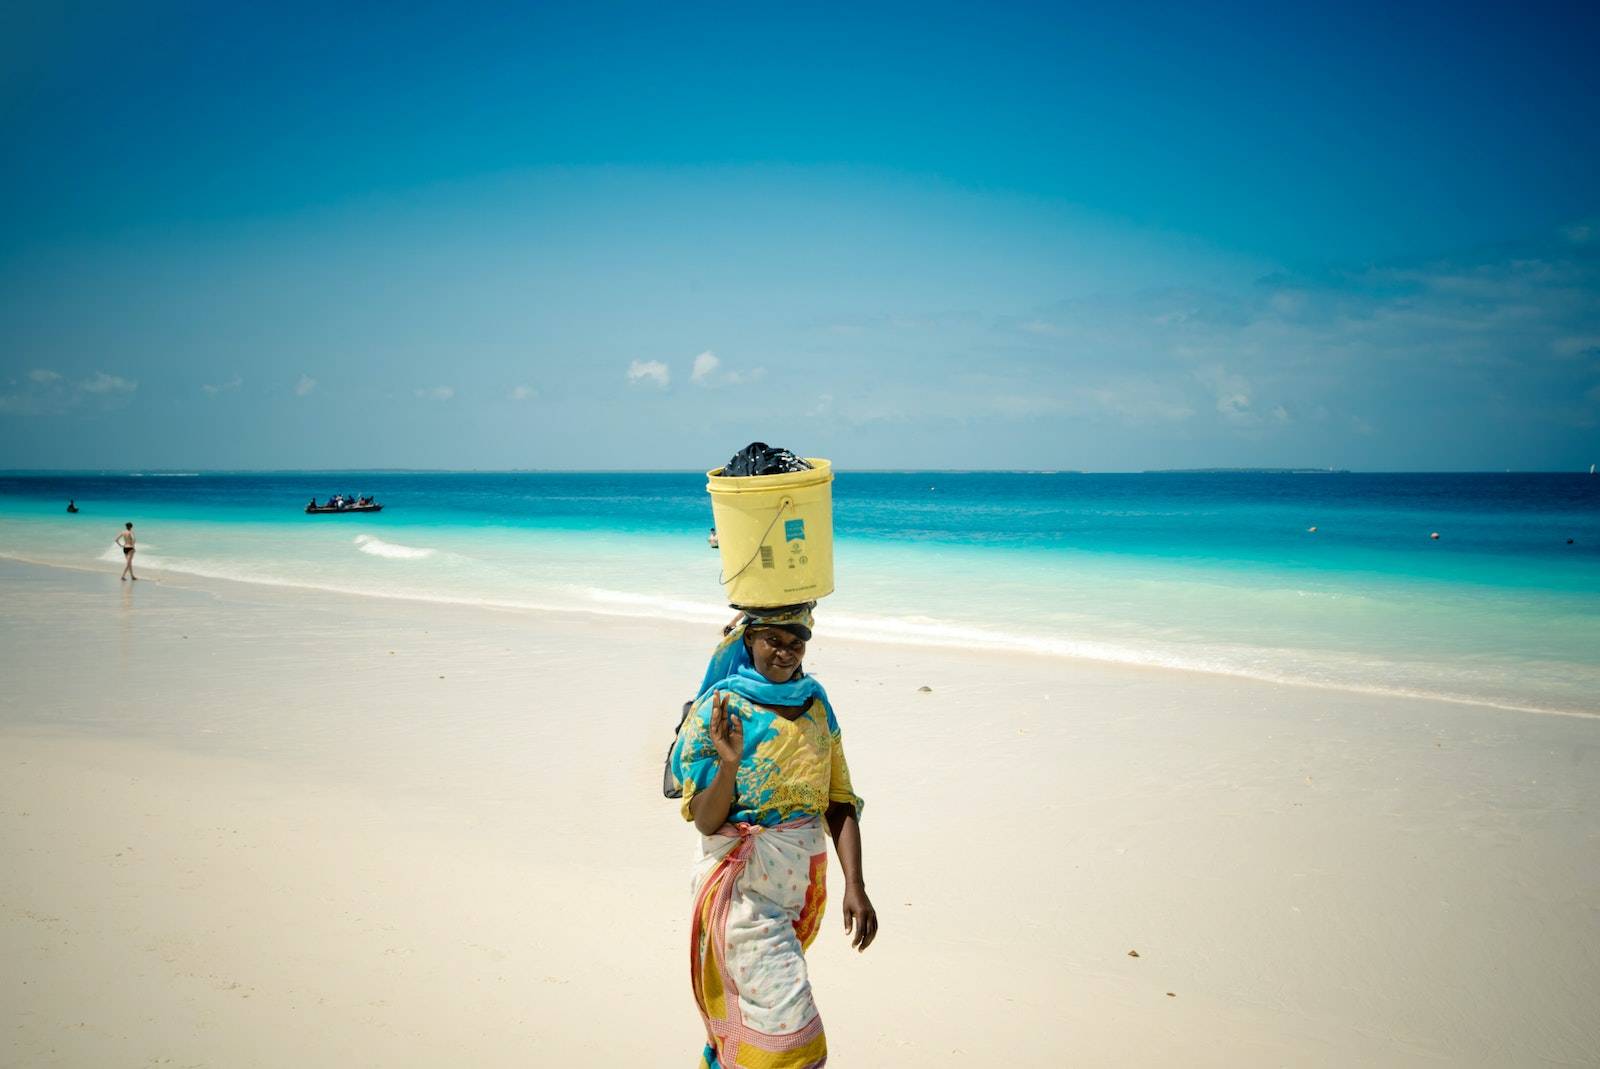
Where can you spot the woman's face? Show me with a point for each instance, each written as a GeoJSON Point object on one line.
{"type": "Point", "coordinates": [776, 653]}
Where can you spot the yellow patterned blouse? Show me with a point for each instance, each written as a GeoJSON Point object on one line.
{"type": "Point", "coordinates": [790, 768]}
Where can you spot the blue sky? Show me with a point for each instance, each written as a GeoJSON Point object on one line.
{"type": "Point", "coordinates": [901, 236]}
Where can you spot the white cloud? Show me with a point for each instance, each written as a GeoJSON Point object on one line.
{"type": "Point", "coordinates": [1234, 405]}
{"type": "Point", "coordinates": [1234, 395]}
{"type": "Point", "coordinates": [704, 365]}
{"type": "Point", "coordinates": [709, 370]}
{"type": "Point", "coordinates": [1377, 365]}
{"type": "Point", "coordinates": [212, 389]}
{"type": "Point", "coordinates": [304, 386]}
{"type": "Point", "coordinates": [653, 370]}
{"type": "Point", "coordinates": [106, 385]}
{"type": "Point", "coordinates": [44, 376]}
{"type": "Point", "coordinates": [435, 393]}
{"type": "Point", "coordinates": [522, 393]}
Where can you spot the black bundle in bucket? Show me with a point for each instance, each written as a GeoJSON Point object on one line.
{"type": "Point", "coordinates": [759, 458]}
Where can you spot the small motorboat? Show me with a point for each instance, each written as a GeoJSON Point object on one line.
{"type": "Point", "coordinates": [321, 510]}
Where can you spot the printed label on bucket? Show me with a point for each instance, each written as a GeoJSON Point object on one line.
{"type": "Point", "coordinates": [794, 530]}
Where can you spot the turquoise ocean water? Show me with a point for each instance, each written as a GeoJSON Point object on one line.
{"type": "Point", "coordinates": [1209, 571]}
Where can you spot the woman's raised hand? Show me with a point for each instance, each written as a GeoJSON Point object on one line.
{"type": "Point", "coordinates": [727, 730]}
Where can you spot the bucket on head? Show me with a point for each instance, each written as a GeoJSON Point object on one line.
{"type": "Point", "coordinates": [775, 534]}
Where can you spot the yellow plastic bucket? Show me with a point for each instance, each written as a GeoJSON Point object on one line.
{"type": "Point", "coordinates": [775, 533]}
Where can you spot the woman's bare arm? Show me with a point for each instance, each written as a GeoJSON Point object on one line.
{"type": "Point", "coordinates": [710, 807]}
{"type": "Point", "coordinates": [860, 919]}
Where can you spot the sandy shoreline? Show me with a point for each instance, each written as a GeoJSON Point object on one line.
{"type": "Point", "coordinates": [252, 827]}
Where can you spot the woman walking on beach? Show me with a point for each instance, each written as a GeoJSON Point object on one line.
{"type": "Point", "coordinates": [762, 770]}
{"type": "Point", "coordinates": [125, 540]}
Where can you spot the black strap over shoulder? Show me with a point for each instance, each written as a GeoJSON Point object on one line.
{"type": "Point", "coordinates": [669, 783]}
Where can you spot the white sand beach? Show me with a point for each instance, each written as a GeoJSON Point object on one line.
{"type": "Point", "coordinates": [250, 826]}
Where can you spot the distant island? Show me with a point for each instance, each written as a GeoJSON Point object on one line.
{"type": "Point", "coordinates": [1247, 471]}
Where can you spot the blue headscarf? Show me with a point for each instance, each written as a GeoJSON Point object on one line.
{"type": "Point", "coordinates": [732, 669]}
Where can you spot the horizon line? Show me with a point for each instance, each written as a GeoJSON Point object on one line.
{"type": "Point", "coordinates": [1213, 470]}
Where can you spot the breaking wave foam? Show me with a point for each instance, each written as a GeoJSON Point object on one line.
{"type": "Point", "coordinates": [902, 630]}
{"type": "Point", "coordinates": [377, 547]}
{"type": "Point", "coordinates": [113, 554]}
{"type": "Point", "coordinates": [928, 632]}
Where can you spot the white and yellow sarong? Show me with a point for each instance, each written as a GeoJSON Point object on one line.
{"type": "Point", "coordinates": [759, 894]}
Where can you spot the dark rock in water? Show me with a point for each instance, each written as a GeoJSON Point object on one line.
{"type": "Point", "coordinates": [924, 690]}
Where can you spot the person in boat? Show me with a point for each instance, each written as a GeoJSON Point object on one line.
{"type": "Point", "coordinates": [761, 767]}
{"type": "Point", "coordinates": [125, 540]}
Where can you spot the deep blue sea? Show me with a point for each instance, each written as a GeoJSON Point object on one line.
{"type": "Point", "coordinates": [1217, 572]}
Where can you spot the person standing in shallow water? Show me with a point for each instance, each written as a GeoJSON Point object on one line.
{"type": "Point", "coordinates": [125, 540]}
{"type": "Point", "coordinates": [760, 763]}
